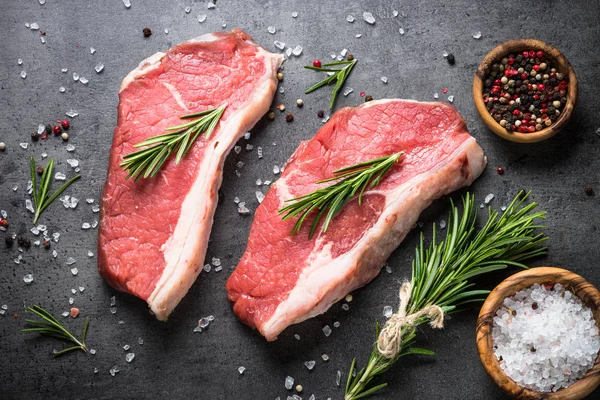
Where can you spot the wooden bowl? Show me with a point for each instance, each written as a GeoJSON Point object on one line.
{"type": "Point", "coordinates": [559, 61]}
{"type": "Point", "coordinates": [510, 286]}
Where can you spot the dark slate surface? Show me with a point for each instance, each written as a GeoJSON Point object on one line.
{"type": "Point", "coordinates": [176, 363]}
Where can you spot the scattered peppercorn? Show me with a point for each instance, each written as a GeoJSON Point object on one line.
{"type": "Point", "coordinates": [65, 124]}
{"type": "Point", "coordinates": [299, 388]}
{"type": "Point", "coordinates": [289, 118]}
{"type": "Point", "coordinates": [46, 243]}
{"type": "Point", "coordinates": [524, 93]}
{"type": "Point", "coordinates": [271, 115]}
{"type": "Point", "coordinates": [350, 57]}
{"type": "Point", "coordinates": [65, 136]}
{"type": "Point", "coordinates": [147, 32]}
{"type": "Point", "coordinates": [320, 113]}
{"type": "Point", "coordinates": [317, 63]}
{"type": "Point", "coordinates": [49, 129]}
{"type": "Point", "coordinates": [532, 349]}
{"type": "Point", "coordinates": [500, 171]}
{"type": "Point", "coordinates": [9, 241]}
{"type": "Point", "coordinates": [279, 76]}
{"type": "Point", "coordinates": [24, 242]}
{"type": "Point", "coordinates": [57, 129]}
{"type": "Point", "coordinates": [2, 146]}
{"type": "Point", "coordinates": [588, 190]}
{"type": "Point", "coordinates": [34, 136]}
{"type": "Point", "coordinates": [39, 169]}
{"type": "Point", "coordinates": [534, 305]}
{"type": "Point", "coordinates": [368, 98]}
{"type": "Point", "coordinates": [450, 59]}
{"type": "Point", "coordinates": [15, 316]}
{"type": "Point", "coordinates": [3, 222]}
{"type": "Point", "coordinates": [281, 107]}
{"type": "Point", "coordinates": [299, 103]}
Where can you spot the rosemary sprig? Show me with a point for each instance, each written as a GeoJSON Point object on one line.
{"type": "Point", "coordinates": [40, 197]}
{"type": "Point", "coordinates": [50, 326]}
{"type": "Point", "coordinates": [442, 274]}
{"type": "Point", "coordinates": [180, 138]}
{"type": "Point", "coordinates": [338, 76]}
{"type": "Point", "coordinates": [331, 199]}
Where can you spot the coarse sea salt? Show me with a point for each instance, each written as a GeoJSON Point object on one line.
{"type": "Point", "coordinates": [545, 338]}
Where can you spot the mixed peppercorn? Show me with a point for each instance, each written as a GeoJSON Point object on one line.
{"type": "Point", "coordinates": [524, 93]}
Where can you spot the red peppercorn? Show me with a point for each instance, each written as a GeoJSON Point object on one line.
{"type": "Point", "coordinates": [511, 60]}
{"type": "Point", "coordinates": [552, 74]}
{"type": "Point", "coordinates": [495, 89]}
{"type": "Point", "coordinates": [541, 87]}
{"type": "Point", "coordinates": [536, 96]}
{"type": "Point", "coordinates": [445, 90]}
{"type": "Point", "coordinates": [563, 85]}
{"type": "Point", "coordinates": [497, 81]}
{"type": "Point", "coordinates": [3, 222]}
{"type": "Point", "coordinates": [525, 54]}
{"type": "Point", "coordinates": [524, 76]}
{"type": "Point", "coordinates": [531, 54]}
{"type": "Point", "coordinates": [500, 171]}
{"type": "Point", "coordinates": [362, 94]}
{"type": "Point", "coordinates": [44, 136]}
{"type": "Point", "coordinates": [508, 72]}
{"type": "Point", "coordinates": [548, 285]}
{"type": "Point", "coordinates": [57, 129]}
{"type": "Point", "coordinates": [523, 129]}
{"type": "Point", "coordinates": [516, 112]}
{"type": "Point", "coordinates": [536, 67]}
{"type": "Point", "coordinates": [540, 55]}
{"type": "Point", "coordinates": [317, 63]}
{"type": "Point", "coordinates": [65, 124]}
{"type": "Point", "coordinates": [531, 128]}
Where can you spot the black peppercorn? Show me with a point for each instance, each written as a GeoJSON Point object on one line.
{"type": "Point", "coordinates": [147, 32]}
{"type": "Point", "coordinates": [24, 242]}
{"type": "Point", "coordinates": [34, 136]}
{"type": "Point", "coordinates": [39, 169]}
{"type": "Point", "coordinates": [350, 57]}
{"type": "Point", "coordinates": [534, 305]}
{"type": "Point", "coordinates": [46, 243]}
{"type": "Point", "coordinates": [9, 241]}
{"type": "Point", "coordinates": [48, 129]}
{"type": "Point", "coordinates": [368, 98]}
{"type": "Point", "coordinates": [588, 190]}
{"type": "Point", "coordinates": [450, 59]}
{"type": "Point", "coordinates": [289, 117]}
{"type": "Point", "coordinates": [320, 113]}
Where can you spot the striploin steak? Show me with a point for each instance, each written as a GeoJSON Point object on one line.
{"type": "Point", "coordinates": [283, 279]}
{"type": "Point", "coordinates": [154, 232]}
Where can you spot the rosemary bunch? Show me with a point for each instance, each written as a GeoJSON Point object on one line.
{"type": "Point", "coordinates": [40, 194]}
{"type": "Point", "coordinates": [180, 138]}
{"type": "Point", "coordinates": [338, 76]}
{"type": "Point", "coordinates": [442, 275]}
{"type": "Point", "coordinates": [50, 326]}
{"type": "Point", "coordinates": [329, 201]}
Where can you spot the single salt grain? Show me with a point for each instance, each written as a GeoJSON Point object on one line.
{"type": "Point", "coordinates": [201, 18]}
{"type": "Point", "coordinates": [73, 163]}
{"type": "Point", "coordinates": [24, 145]}
{"type": "Point", "coordinates": [336, 324]}
{"type": "Point", "coordinates": [70, 261]}
{"type": "Point", "coordinates": [503, 208]}
{"type": "Point", "coordinates": [297, 50]}
{"type": "Point", "coordinates": [84, 80]}
{"type": "Point", "coordinates": [395, 13]}
{"type": "Point", "coordinates": [71, 113]}
{"type": "Point", "coordinates": [247, 135]}
{"type": "Point", "coordinates": [92, 351]}
{"type": "Point", "coordinates": [81, 289]}
{"type": "Point", "coordinates": [62, 89]}
{"type": "Point", "coordinates": [126, 347]}
{"type": "Point", "coordinates": [219, 268]}
{"type": "Point", "coordinates": [350, 18]}
{"type": "Point", "coordinates": [289, 382]}
{"type": "Point", "coordinates": [75, 76]}
{"type": "Point", "coordinates": [188, 9]}
{"type": "Point", "coordinates": [74, 271]}
{"type": "Point", "coordinates": [279, 45]}
{"type": "Point", "coordinates": [387, 311]}
{"type": "Point", "coordinates": [92, 50]}
{"type": "Point", "coordinates": [309, 365]}
{"type": "Point", "coordinates": [294, 14]}
{"type": "Point", "coordinates": [64, 70]}
{"type": "Point", "coordinates": [477, 35]}
{"type": "Point", "coordinates": [127, 3]}
{"type": "Point", "coordinates": [34, 26]}
{"type": "Point", "coordinates": [271, 30]}
{"type": "Point", "coordinates": [28, 278]}
{"type": "Point", "coordinates": [296, 336]}
{"type": "Point", "coordinates": [210, 5]}
{"type": "Point", "coordinates": [326, 330]}
{"type": "Point", "coordinates": [70, 148]}
{"type": "Point", "coordinates": [259, 151]}
{"type": "Point", "coordinates": [259, 196]}
{"type": "Point", "coordinates": [54, 253]}
{"type": "Point", "coordinates": [216, 261]}
{"type": "Point", "coordinates": [241, 370]}
{"type": "Point", "coordinates": [388, 268]}
{"type": "Point", "coordinates": [401, 30]}
{"type": "Point", "coordinates": [358, 35]}
{"type": "Point", "coordinates": [445, 54]}
{"type": "Point", "coordinates": [442, 224]}
{"type": "Point", "coordinates": [242, 209]}
{"type": "Point", "coordinates": [99, 68]}
{"type": "Point", "coordinates": [436, 95]}
{"type": "Point", "coordinates": [114, 370]}
{"type": "Point", "coordinates": [206, 268]}
{"type": "Point", "coordinates": [29, 205]}
{"type": "Point", "coordinates": [451, 98]}
{"type": "Point", "coordinates": [347, 91]}
{"type": "Point", "coordinates": [65, 314]}
{"type": "Point", "coordinates": [345, 307]}
{"type": "Point", "coordinates": [368, 17]}
{"type": "Point", "coordinates": [325, 357]}
{"type": "Point", "coordinates": [249, 147]}
{"type": "Point", "coordinates": [129, 357]}
{"type": "Point", "coordinates": [140, 341]}
{"type": "Point", "coordinates": [276, 169]}
{"type": "Point", "coordinates": [338, 378]}
{"type": "Point", "coordinates": [236, 200]}
{"type": "Point", "coordinates": [113, 301]}
{"type": "Point", "coordinates": [384, 79]}
{"type": "Point", "coordinates": [86, 225]}
{"type": "Point", "coordinates": [237, 149]}
{"type": "Point", "coordinates": [488, 198]}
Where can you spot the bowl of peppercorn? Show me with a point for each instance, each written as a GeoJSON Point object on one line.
{"type": "Point", "coordinates": [525, 90]}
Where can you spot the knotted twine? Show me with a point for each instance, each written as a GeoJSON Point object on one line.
{"type": "Point", "coordinates": [389, 342]}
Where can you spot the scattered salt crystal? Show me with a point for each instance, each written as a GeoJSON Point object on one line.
{"type": "Point", "coordinates": [309, 365]}
{"type": "Point", "coordinates": [503, 208]}
{"type": "Point", "coordinates": [201, 18]}
{"type": "Point", "coordinates": [20, 62]}
{"type": "Point", "coordinates": [247, 135]}
{"type": "Point", "coordinates": [236, 200]}
{"type": "Point", "coordinates": [166, 31]}
{"type": "Point", "coordinates": [113, 310]}
{"type": "Point", "coordinates": [126, 347]}
{"type": "Point", "coordinates": [242, 209]}
{"type": "Point", "coordinates": [3, 213]}
{"type": "Point", "coordinates": [92, 351]}
{"type": "Point", "coordinates": [281, 89]}
{"type": "Point", "coordinates": [358, 35]}
{"type": "Point", "coordinates": [259, 196]}
{"type": "Point", "coordinates": [70, 261]}
{"type": "Point", "coordinates": [297, 50]}
{"type": "Point", "coordinates": [75, 76]}
{"type": "Point", "coordinates": [94, 223]}
{"type": "Point", "coordinates": [29, 205]}
{"type": "Point", "coordinates": [488, 198]}
{"type": "Point", "coordinates": [401, 30]}
{"type": "Point", "coordinates": [65, 314]}
{"type": "Point", "coordinates": [71, 113]}
{"type": "Point", "coordinates": [89, 200]}
{"type": "Point", "coordinates": [241, 370]}
{"type": "Point", "coordinates": [336, 324]}
{"type": "Point", "coordinates": [24, 145]}
{"type": "Point", "coordinates": [99, 68]}
{"type": "Point", "coordinates": [4, 306]}
{"type": "Point", "coordinates": [43, 39]}
{"type": "Point", "coordinates": [388, 268]}
{"type": "Point", "coordinates": [350, 18]}
{"type": "Point", "coordinates": [127, 3]}
{"type": "Point", "coordinates": [34, 26]}
{"type": "Point", "coordinates": [296, 336]}
{"type": "Point", "coordinates": [73, 203]}
{"type": "Point", "coordinates": [74, 271]}
{"type": "Point", "coordinates": [326, 330]}
{"type": "Point", "coordinates": [140, 341]}
{"type": "Point", "coordinates": [90, 254]}
{"type": "Point", "coordinates": [289, 382]}
{"type": "Point", "coordinates": [442, 224]}
{"type": "Point", "coordinates": [239, 164]}
{"type": "Point", "coordinates": [188, 9]}
{"type": "Point", "coordinates": [15, 188]}
{"type": "Point", "coordinates": [387, 311]}
{"type": "Point", "coordinates": [113, 301]}
{"type": "Point", "coordinates": [294, 14]}
{"type": "Point", "coordinates": [436, 95]}
{"type": "Point", "coordinates": [451, 98]}
{"type": "Point", "coordinates": [28, 278]}
{"type": "Point", "coordinates": [95, 369]}
{"type": "Point", "coordinates": [62, 89]}
{"type": "Point", "coordinates": [41, 128]}
{"type": "Point", "coordinates": [276, 169]}
{"type": "Point", "coordinates": [73, 163]}
{"type": "Point", "coordinates": [288, 52]}
{"type": "Point", "coordinates": [129, 357]}
{"type": "Point", "coordinates": [237, 149]}
{"type": "Point", "coordinates": [345, 307]}
{"type": "Point", "coordinates": [344, 52]}
{"type": "Point", "coordinates": [70, 148]}
{"type": "Point", "coordinates": [395, 13]}
{"type": "Point", "coordinates": [84, 80]}
{"type": "Point", "coordinates": [206, 268]}
{"type": "Point", "coordinates": [258, 182]}
{"type": "Point", "coordinates": [81, 289]}
{"type": "Point", "coordinates": [347, 91]}
{"type": "Point", "coordinates": [384, 79]}
{"type": "Point", "coordinates": [266, 183]}
{"type": "Point", "coordinates": [445, 54]}
{"type": "Point", "coordinates": [86, 225]}
{"type": "Point", "coordinates": [271, 30]}
{"type": "Point", "coordinates": [210, 5]}
{"type": "Point", "coordinates": [54, 253]}
{"type": "Point", "coordinates": [64, 70]}
{"type": "Point", "coordinates": [92, 50]}
{"type": "Point", "coordinates": [279, 45]}
{"type": "Point", "coordinates": [114, 370]}
{"type": "Point", "coordinates": [368, 17]}
{"type": "Point", "coordinates": [477, 35]}
{"type": "Point", "coordinates": [338, 378]}
{"type": "Point", "coordinates": [259, 151]}
{"type": "Point", "coordinates": [325, 357]}
{"type": "Point", "coordinates": [249, 147]}
{"type": "Point", "coordinates": [71, 301]}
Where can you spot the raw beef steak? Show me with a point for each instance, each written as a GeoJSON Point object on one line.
{"type": "Point", "coordinates": [281, 279]}
{"type": "Point", "coordinates": [154, 232]}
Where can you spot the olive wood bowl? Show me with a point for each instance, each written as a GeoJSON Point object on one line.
{"type": "Point", "coordinates": [558, 60]}
{"type": "Point", "coordinates": [588, 294]}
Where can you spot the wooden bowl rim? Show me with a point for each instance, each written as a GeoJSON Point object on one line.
{"type": "Point", "coordinates": [513, 46]}
{"type": "Point", "coordinates": [511, 285]}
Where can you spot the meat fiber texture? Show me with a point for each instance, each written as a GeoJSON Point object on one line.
{"type": "Point", "coordinates": [283, 279]}
{"type": "Point", "coordinates": [154, 232]}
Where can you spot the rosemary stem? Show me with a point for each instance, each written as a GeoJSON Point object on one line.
{"type": "Point", "coordinates": [362, 381]}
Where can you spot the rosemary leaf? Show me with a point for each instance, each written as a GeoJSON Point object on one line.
{"type": "Point", "coordinates": [179, 138]}
{"type": "Point", "coordinates": [338, 76]}
{"type": "Point", "coordinates": [329, 201]}
{"type": "Point", "coordinates": [442, 273]}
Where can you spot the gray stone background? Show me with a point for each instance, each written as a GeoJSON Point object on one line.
{"type": "Point", "coordinates": [174, 362]}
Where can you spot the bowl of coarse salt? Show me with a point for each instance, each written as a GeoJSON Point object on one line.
{"type": "Point", "coordinates": [538, 336]}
